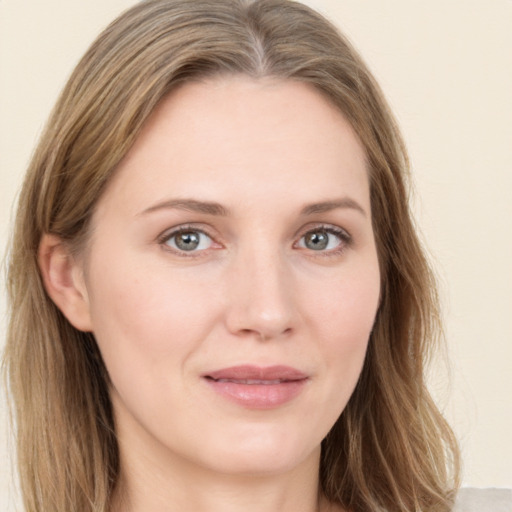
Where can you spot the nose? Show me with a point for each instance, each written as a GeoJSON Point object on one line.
{"type": "Point", "coordinates": [261, 302]}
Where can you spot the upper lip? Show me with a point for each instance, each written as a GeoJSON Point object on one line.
{"type": "Point", "coordinates": [278, 373]}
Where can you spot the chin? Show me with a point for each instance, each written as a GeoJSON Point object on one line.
{"type": "Point", "coordinates": [262, 452]}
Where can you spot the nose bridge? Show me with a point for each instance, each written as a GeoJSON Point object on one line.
{"type": "Point", "coordinates": [261, 298]}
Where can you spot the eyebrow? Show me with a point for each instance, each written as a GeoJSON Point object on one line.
{"type": "Point", "coordinates": [190, 205]}
{"type": "Point", "coordinates": [327, 206]}
{"type": "Point", "coordinates": [212, 208]}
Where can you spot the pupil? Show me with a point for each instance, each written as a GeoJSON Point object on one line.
{"type": "Point", "coordinates": [317, 241]}
{"type": "Point", "coordinates": [187, 241]}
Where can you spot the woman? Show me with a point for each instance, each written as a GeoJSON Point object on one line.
{"type": "Point", "coordinates": [219, 301]}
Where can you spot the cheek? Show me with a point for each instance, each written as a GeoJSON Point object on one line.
{"type": "Point", "coordinates": [347, 306]}
{"type": "Point", "coordinates": [344, 318]}
{"type": "Point", "coordinates": [143, 314]}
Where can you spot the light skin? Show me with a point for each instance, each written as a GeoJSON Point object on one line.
{"type": "Point", "coordinates": [236, 231]}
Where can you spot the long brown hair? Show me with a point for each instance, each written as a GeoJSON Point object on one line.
{"type": "Point", "coordinates": [391, 448]}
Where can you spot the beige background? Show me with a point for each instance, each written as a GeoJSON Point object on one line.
{"type": "Point", "coordinates": [446, 68]}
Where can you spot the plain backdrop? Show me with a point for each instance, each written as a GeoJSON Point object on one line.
{"type": "Point", "coordinates": [446, 69]}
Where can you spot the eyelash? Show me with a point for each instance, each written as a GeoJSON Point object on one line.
{"type": "Point", "coordinates": [168, 235]}
{"type": "Point", "coordinates": [345, 240]}
{"type": "Point", "coordinates": [344, 237]}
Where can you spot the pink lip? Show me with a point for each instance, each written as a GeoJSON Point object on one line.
{"type": "Point", "coordinates": [257, 387]}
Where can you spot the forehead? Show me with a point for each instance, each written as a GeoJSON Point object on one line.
{"type": "Point", "coordinates": [241, 106]}
{"type": "Point", "coordinates": [255, 136]}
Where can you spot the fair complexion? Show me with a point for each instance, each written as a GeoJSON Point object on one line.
{"type": "Point", "coordinates": [236, 233]}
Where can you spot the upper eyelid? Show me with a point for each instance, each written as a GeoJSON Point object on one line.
{"type": "Point", "coordinates": [206, 230]}
{"type": "Point", "coordinates": [170, 232]}
{"type": "Point", "coordinates": [325, 226]}
{"type": "Point", "coordinates": [346, 239]}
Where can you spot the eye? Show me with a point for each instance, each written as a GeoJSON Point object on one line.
{"type": "Point", "coordinates": [188, 240]}
{"type": "Point", "coordinates": [324, 239]}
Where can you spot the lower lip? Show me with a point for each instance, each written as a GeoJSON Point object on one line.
{"type": "Point", "coordinates": [258, 396]}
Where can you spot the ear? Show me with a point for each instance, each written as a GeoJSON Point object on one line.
{"type": "Point", "coordinates": [63, 280]}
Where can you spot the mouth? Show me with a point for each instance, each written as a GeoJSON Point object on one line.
{"type": "Point", "coordinates": [250, 382]}
{"type": "Point", "coordinates": [256, 387]}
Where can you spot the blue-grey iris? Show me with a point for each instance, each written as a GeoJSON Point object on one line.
{"type": "Point", "coordinates": [187, 241]}
{"type": "Point", "coordinates": [317, 240]}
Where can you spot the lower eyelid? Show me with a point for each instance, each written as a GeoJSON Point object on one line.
{"type": "Point", "coordinates": [168, 235]}
{"type": "Point", "coordinates": [344, 237]}
{"type": "Point", "coordinates": [200, 233]}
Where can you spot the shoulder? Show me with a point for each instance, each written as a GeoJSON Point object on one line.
{"type": "Point", "coordinates": [471, 499]}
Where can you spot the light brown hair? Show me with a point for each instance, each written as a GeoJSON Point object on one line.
{"type": "Point", "coordinates": [391, 448]}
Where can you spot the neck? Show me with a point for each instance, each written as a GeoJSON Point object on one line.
{"type": "Point", "coordinates": [183, 487]}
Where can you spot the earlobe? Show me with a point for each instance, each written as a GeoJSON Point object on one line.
{"type": "Point", "coordinates": [63, 281]}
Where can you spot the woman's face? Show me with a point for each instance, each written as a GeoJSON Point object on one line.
{"type": "Point", "coordinates": [232, 278]}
